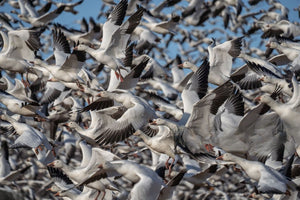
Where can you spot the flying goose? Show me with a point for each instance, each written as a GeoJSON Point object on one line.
{"type": "Point", "coordinates": [115, 37]}
{"type": "Point", "coordinates": [220, 60]}
{"type": "Point", "coordinates": [268, 179]}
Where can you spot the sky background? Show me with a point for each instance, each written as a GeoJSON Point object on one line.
{"type": "Point", "coordinates": [91, 8]}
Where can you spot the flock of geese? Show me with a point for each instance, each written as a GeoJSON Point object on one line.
{"type": "Point", "coordinates": [148, 105]}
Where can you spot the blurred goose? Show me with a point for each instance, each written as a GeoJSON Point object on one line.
{"type": "Point", "coordinates": [18, 48]}
{"type": "Point", "coordinates": [39, 21]}
{"type": "Point", "coordinates": [5, 166]}
{"type": "Point", "coordinates": [80, 174]}
{"type": "Point", "coordinates": [163, 27]}
{"type": "Point", "coordinates": [269, 180]}
{"type": "Point", "coordinates": [69, 7]}
{"type": "Point", "coordinates": [29, 136]}
{"type": "Point", "coordinates": [20, 107]}
{"type": "Point", "coordinates": [282, 28]}
{"type": "Point", "coordinates": [147, 183]}
{"type": "Point", "coordinates": [291, 53]}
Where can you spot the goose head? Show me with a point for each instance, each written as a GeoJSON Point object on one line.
{"type": "Point", "coordinates": [272, 45]}
{"type": "Point", "coordinates": [266, 79]}
{"type": "Point", "coordinates": [160, 121]}
{"type": "Point", "coordinates": [264, 99]}
{"type": "Point", "coordinates": [53, 188]}
{"type": "Point", "coordinates": [72, 125]}
{"type": "Point", "coordinates": [104, 94]}
{"type": "Point", "coordinates": [226, 157]}
{"type": "Point", "coordinates": [56, 164]}
{"type": "Point", "coordinates": [82, 47]}
{"type": "Point", "coordinates": [186, 64]}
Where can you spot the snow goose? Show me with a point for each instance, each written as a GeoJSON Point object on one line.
{"type": "Point", "coordinates": [196, 87]}
{"type": "Point", "coordinates": [5, 21]}
{"type": "Point", "coordinates": [130, 77]}
{"type": "Point", "coordinates": [115, 37]}
{"type": "Point", "coordinates": [147, 183]}
{"type": "Point", "coordinates": [269, 77]}
{"type": "Point", "coordinates": [145, 38]}
{"type": "Point", "coordinates": [162, 142]}
{"type": "Point", "coordinates": [29, 136]}
{"type": "Point", "coordinates": [220, 60]}
{"type": "Point", "coordinates": [89, 37]}
{"type": "Point", "coordinates": [269, 180]}
{"type": "Point", "coordinates": [20, 107]}
{"type": "Point", "coordinates": [67, 65]}
{"type": "Point", "coordinates": [39, 21]}
{"type": "Point", "coordinates": [196, 131]}
{"type": "Point", "coordinates": [282, 28]}
{"type": "Point", "coordinates": [167, 191]}
{"type": "Point", "coordinates": [62, 182]}
{"type": "Point", "coordinates": [80, 174]}
{"type": "Point", "coordinates": [110, 130]}
{"type": "Point", "coordinates": [167, 89]}
{"type": "Point", "coordinates": [163, 27]}
{"type": "Point", "coordinates": [19, 46]}
{"type": "Point", "coordinates": [291, 53]}
{"type": "Point", "coordinates": [69, 7]}
{"type": "Point", "coordinates": [20, 92]}
{"type": "Point", "coordinates": [288, 112]}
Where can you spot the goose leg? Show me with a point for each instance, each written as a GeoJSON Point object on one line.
{"type": "Point", "coordinates": [170, 167]}
{"type": "Point", "coordinates": [81, 88]}
{"type": "Point", "coordinates": [97, 195]}
{"type": "Point", "coordinates": [118, 75]}
{"type": "Point", "coordinates": [25, 82]}
{"type": "Point", "coordinates": [36, 150]}
{"type": "Point", "coordinates": [103, 195]}
{"type": "Point", "coordinates": [167, 163]}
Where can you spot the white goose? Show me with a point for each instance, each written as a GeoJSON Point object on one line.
{"type": "Point", "coordinates": [162, 143]}
{"type": "Point", "coordinates": [67, 64]}
{"type": "Point", "coordinates": [80, 174]}
{"type": "Point", "coordinates": [288, 112]}
{"type": "Point", "coordinates": [269, 180]}
{"type": "Point", "coordinates": [147, 183]}
{"type": "Point", "coordinates": [29, 136]}
{"type": "Point", "coordinates": [39, 21]}
{"type": "Point", "coordinates": [115, 38]}
{"type": "Point", "coordinates": [106, 128]}
{"type": "Point", "coordinates": [18, 48]}
{"type": "Point", "coordinates": [220, 60]}
{"type": "Point", "coordinates": [18, 106]}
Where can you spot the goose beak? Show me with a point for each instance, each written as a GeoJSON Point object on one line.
{"type": "Point", "coordinates": [99, 94]}
{"type": "Point", "coordinates": [153, 123]}
{"type": "Point", "coordinates": [180, 66]}
{"type": "Point", "coordinates": [257, 99]}
{"type": "Point", "coordinates": [100, 166]}
{"type": "Point", "coordinates": [76, 48]}
{"type": "Point", "coordinates": [51, 164]}
{"type": "Point", "coordinates": [261, 79]}
{"type": "Point", "coordinates": [66, 125]}
{"type": "Point", "coordinates": [49, 189]}
{"type": "Point", "coordinates": [57, 194]}
{"type": "Point", "coordinates": [136, 133]}
{"type": "Point", "coordinates": [220, 158]}
{"type": "Point", "coordinates": [268, 45]}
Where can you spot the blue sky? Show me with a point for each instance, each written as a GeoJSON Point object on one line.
{"type": "Point", "coordinates": [91, 8]}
